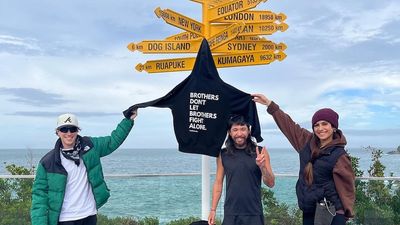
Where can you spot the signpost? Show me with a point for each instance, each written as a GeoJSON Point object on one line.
{"type": "Point", "coordinates": [234, 33]}
{"type": "Point", "coordinates": [232, 28]}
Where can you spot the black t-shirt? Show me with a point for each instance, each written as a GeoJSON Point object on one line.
{"type": "Point", "coordinates": [243, 183]}
{"type": "Point", "coordinates": [201, 105]}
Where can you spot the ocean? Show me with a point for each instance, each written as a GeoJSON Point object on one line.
{"type": "Point", "coordinates": [178, 193]}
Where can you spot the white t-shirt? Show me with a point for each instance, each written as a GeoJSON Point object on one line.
{"type": "Point", "coordinates": [79, 201]}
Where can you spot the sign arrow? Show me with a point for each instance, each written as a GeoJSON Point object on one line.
{"type": "Point", "coordinates": [187, 36]}
{"type": "Point", "coordinates": [179, 20]}
{"type": "Point", "coordinates": [249, 46]}
{"type": "Point", "coordinates": [254, 28]}
{"type": "Point", "coordinates": [225, 35]}
{"type": "Point", "coordinates": [252, 17]}
{"type": "Point", "coordinates": [166, 65]}
{"type": "Point", "coordinates": [165, 46]}
{"type": "Point", "coordinates": [184, 36]}
{"type": "Point", "coordinates": [249, 38]}
{"type": "Point", "coordinates": [232, 7]}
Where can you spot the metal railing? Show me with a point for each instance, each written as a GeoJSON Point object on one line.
{"type": "Point", "coordinates": [173, 196]}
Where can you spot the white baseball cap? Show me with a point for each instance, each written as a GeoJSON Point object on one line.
{"type": "Point", "coordinates": [67, 119]}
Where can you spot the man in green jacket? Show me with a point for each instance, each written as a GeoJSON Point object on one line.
{"type": "Point", "coordinates": [69, 186]}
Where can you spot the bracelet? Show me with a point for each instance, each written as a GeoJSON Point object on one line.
{"type": "Point", "coordinates": [212, 210]}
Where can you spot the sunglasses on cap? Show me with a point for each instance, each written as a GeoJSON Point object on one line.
{"type": "Point", "coordinates": [71, 129]}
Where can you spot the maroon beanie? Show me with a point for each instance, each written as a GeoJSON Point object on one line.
{"type": "Point", "coordinates": [326, 114]}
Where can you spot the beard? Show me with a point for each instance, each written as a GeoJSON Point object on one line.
{"type": "Point", "coordinates": [240, 142]}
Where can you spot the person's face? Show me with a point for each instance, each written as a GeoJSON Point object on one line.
{"type": "Point", "coordinates": [68, 136]}
{"type": "Point", "coordinates": [324, 131]}
{"type": "Point", "coordinates": [239, 135]}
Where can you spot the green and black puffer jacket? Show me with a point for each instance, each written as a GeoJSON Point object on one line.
{"type": "Point", "coordinates": [51, 177]}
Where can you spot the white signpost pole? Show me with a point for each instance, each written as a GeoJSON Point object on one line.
{"type": "Point", "coordinates": [205, 189]}
{"type": "Point", "coordinates": [205, 160]}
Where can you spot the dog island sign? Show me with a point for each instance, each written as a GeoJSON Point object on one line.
{"type": "Point", "coordinates": [232, 30]}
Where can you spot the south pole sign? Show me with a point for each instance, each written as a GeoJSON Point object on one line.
{"type": "Point", "coordinates": [234, 30]}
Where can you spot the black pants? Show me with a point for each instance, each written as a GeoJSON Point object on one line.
{"type": "Point", "coordinates": [90, 220]}
{"type": "Point", "coordinates": [243, 220]}
{"type": "Point", "coordinates": [308, 219]}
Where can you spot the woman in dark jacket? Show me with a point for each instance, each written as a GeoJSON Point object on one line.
{"type": "Point", "coordinates": [325, 167]}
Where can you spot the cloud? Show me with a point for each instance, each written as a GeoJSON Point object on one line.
{"type": "Point", "coordinates": [19, 45]}
{"type": "Point", "coordinates": [10, 40]}
{"type": "Point", "coordinates": [55, 114]}
{"type": "Point", "coordinates": [72, 56]}
{"type": "Point", "coordinates": [32, 97]}
{"type": "Point", "coordinates": [363, 22]}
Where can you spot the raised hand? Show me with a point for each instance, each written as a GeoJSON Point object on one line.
{"type": "Point", "coordinates": [134, 114]}
{"type": "Point", "coordinates": [260, 98]}
{"type": "Point", "coordinates": [263, 161]}
{"type": "Point", "coordinates": [262, 158]}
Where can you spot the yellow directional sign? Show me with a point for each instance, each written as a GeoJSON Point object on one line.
{"type": "Point", "coordinates": [249, 46]}
{"type": "Point", "coordinates": [253, 28]}
{"type": "Point", "coordinates": [225, 35]}
{"type": "Point", "coordinates": [159, 47]}
{"type": "Point", "coordinates": [231, 7]}
{"type": "Point", "coordinates": [249, 38]}
{"type": "Point", "coordinates": [166, 65]}
{"type": "Point", "coordinates": [247, 59]}
{"type": "Point", "coordinates": [184, 36]}
{"type": "Point", "coordinates": [228, 60]}
{"type": "Point", "coordinates": [253, 17]}
{"type": "Point", "coordinates": [180, 21]}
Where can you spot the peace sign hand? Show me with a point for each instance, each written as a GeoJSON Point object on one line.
{"type": "Point", "coordinates": [263, 161]}
{"type": "Point", "coordinates": [262, 158]}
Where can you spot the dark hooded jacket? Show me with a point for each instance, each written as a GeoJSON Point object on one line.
{"type": "Point", "coordinates": [201, 105]}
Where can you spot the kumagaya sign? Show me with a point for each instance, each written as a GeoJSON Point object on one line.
{"type": "Point", "coordinates": [234, 30]}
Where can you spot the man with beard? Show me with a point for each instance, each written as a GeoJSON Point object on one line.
{"type": "Point", "coordinates": [244, 164]}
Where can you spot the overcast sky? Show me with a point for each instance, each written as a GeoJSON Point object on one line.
{"type": "Point", "coordinates": [71, 56]}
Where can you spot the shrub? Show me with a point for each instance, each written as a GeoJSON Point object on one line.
{"type": "Point", "coordinates": [276, 213]}
{"type": "Point", "coordinates": [15, 197]}
{"type": "Point", "coordinates": [377, 201]}
{"type": "Point", "coordinates": [104, 220]}
{"type": "Point", "coordinates": [184, 221]}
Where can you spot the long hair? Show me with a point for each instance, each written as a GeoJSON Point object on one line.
{"type": "Point", "coordinates": [230, 144]}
